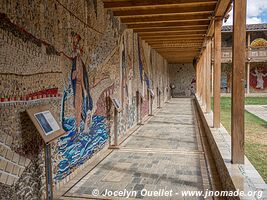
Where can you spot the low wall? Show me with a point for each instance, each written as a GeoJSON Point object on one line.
{"type": "Point", "coordinates": [233, 177]}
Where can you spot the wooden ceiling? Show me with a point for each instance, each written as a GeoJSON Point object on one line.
{"type": "Point", "coordinates": [174, 28]}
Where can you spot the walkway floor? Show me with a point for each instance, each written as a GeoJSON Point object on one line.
{"type": "Point", "coordinates": [258, 110]}
{"type": "Point", "coordinates": [164, 154]}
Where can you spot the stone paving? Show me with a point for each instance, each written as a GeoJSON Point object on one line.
{"type": "Point", "coordinates": [258, 110]}
{"type": "Point", "coordinates": [164, 154]}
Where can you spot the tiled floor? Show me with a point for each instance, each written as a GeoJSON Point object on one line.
{"type": "Point", "coordinates": [164, 154]}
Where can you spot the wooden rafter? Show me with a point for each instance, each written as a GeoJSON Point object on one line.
{"type": "Point", "coordinates": [168, 24]}
{"type": "Point", "coordinates": [172, 33]}
{"type": "Point", "coordinates": [142, 3]}
{"type": "Point", "coordinates": [176, 45]}
{"type": "Point", "coordinates": [175, 28]}
{"type": "Point", "coordinates": [162, 10]}
{"type": "Point", "coordinates": [174, 41]}
{"type": "Point", "coordinates": [173, 37]}
{"type": "Point", "coordinates": [167, 18]}
{"type": "Point", "coordinates": [190, 28]}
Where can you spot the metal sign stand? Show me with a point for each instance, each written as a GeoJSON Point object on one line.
{"type": "Point", "coordinates": [48, 171]}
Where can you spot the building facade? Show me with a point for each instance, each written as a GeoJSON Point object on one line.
{"type": "Point", "coordinates": [256, 57]}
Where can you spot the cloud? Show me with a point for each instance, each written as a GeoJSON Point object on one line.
{"type": "Point", "coordinates": [255, 11]}
{"type": "Point", "coordinates": [254, 20]}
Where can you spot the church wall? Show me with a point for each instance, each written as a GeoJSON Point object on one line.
{"type": "Point", "coordinates": [67, 55]}
{"type": "Point", "coordinates": [182, 77]}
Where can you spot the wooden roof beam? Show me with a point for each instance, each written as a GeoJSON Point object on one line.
{"type": "Point", "coordinates": [163, 10]}
{"type": "Point", "coordinates": [168, 24]}
{"type": "Point", "coordinates": [176, 59]}
{"type": "Point", "coordinates": [174, 37]}
{"type": "Point", "coordinates": [163, 18]}
{"type": "Point", "coordinates": [176, 44]}
{"type": "Point", "coordinates": [182, 29]}
{"type": "Point", "coordinates": [180, 61]}
{"type": "Point", "coordinates": [166, 33]}
{"type": "Point", "coordinates": [174, 41]}
{"type": "Point", "coordinates": [171, 52]}
{"type": "Point", "coordinates": [178, 48]}
{"type": "Point", "coordinates": [177, 55]}
{"type": "Point", "coordinates": [141, 3]}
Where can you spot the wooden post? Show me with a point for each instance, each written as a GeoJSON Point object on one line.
{"type": "Point", "coordinates": [201, 79]}
{"type": "Point", "coordinates": [238, 69]}
{"type": "Point", "coordinates": [212, 66]}
{"type": "Point", "coordinates": [208, 71]}
{"type": "Point", "coordinates": [197, 79]}
{"type": "Point", "coordinates": [217, 72]}
{"type": "Point", "coordinates": [212, 77]}
{"type": "Point", "coordinates": [248, 77]}
{"type": "Point", "coordinates": [248, 65]}
{"type": "Point", "coordinates": [204, 75]}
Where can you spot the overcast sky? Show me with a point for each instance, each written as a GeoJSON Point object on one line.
{"type": "Point", "coordinates": [256, 12]}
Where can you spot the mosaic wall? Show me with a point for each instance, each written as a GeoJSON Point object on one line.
{"type": "Point", "coordinates": [182, 79]}
{"type": "Point", "coordinates": [257, 78]}
{"type": "Point", "coordinates": [70, 55]}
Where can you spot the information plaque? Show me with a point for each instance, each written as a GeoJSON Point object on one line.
{"type": "Point", "coordinates": [116, 104]}
{"type": "Point", "coordinates": [45, 122]}
{"type": "Point", "coordinates": [49, 129]}
{"type": "Point", "coordinates": [151, 92]}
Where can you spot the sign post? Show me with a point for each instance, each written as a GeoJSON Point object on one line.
{"type": "Point", "coordinates": [117, 105]}
{"type": "Point", "coordinates": [151, 95]}
{"type": "Point", "coordinates": [49, 129]}
{"type": "Point", "coordinates": [48, 171]}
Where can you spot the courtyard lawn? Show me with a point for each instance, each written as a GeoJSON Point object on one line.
{"type": "Point", "coordinates": [255, 132]}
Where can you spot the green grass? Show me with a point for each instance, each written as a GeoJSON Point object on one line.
{"type": "Point", "coordinates": [255, 132]}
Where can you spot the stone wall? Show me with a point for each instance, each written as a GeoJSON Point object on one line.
{"type": "Point", "coordinates": [182, 77]}
{"type": "Point", "coordinates": [71, 56]}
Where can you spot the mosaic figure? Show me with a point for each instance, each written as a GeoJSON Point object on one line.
{"type": "Point", "coordinates": [260, 75]}
{"type": "Point", "coordinates": [83, 102]}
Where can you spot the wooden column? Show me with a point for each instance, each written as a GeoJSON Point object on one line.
{"type": "Point", "coordinates": [238, 75]}
{"type": "Point", "coordinates": [204, 75]}
{"type": "Point", "coordinates": [248, 77]}
{"type": "Point", "coordinates": [208, 71]}
{"type": "Point", "coordinates": [248, 64]}
{"type": "Point", "coordinates": [212, 66]}
{"type": "Point", "coordinates": [197, 78]}
{"type": "Point", "coordinates": [199, 75]}
{"type": "Point", "coordinates": [217, 72]}
{"type": "Point", "coordinates": [212, 77]}
{"type": "Point", "coordinates": [201, 79]}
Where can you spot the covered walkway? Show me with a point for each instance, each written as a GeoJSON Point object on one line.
{"type": "Point", "coordinates": [166, 153]}
{"type": "Point", "coordinates": [78, 79]}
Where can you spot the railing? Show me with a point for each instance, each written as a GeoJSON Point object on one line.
{"type": "Point", "coordinates": [255, 54]}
